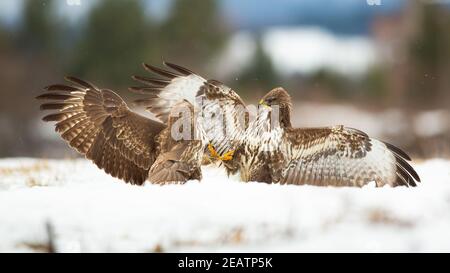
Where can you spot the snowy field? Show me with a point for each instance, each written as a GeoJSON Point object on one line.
{"type": "Point", "coordinates": [71, 206]}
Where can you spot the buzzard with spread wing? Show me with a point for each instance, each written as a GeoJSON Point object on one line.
{"type": "Point", "coordinates": [329, 156]}
{"type": "Point", "coordinates": [334, 156]}
{"type": "Point", "coordinates": [223, 114]}
{"type": "Point", "coordinates": [97, 123]}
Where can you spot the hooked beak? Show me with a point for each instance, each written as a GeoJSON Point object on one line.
{"type": "Point", "coordinates": [261, 102]}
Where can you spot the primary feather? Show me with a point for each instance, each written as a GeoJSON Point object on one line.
{"type": "Point", "coordinates": [98, 124]}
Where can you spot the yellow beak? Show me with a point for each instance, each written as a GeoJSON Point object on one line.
{"type": "Point", "coordinates": [261, 102]}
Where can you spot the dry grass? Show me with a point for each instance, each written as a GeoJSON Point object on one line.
{"type": "Point", "coordinates": [28, 172]}
{"type": "Point", "coordinates": [383, 217]}
{"type": "Point", "coordinates": [37, 247]}
{"type": "Point", "coordinates": [39, 166]}
{"type": "Point", "coordinates": [234, 236]}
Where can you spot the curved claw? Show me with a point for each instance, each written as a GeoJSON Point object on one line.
{"type": "Point", "coordinates": [227, 156]}
{"type": "Point", "coordinates": [213, 151]}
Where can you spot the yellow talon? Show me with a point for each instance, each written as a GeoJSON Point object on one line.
{"type": "Point", "coordinates": [213, 151]}
{"type": "Point", "coordinates": [227, 156]}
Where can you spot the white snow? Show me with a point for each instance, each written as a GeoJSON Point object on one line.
{"type": "Point", "coordinates": [91, 212]}
{"type": "Point", "coordinates": [431, 123]}
{"type": "Point", "coordinates": [303, 50]}
{"type": "Point", "coordinates": [236, 56]}
{"type": "Point", "coordinates": [308, 49]}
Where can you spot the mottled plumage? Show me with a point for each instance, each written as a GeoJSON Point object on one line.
{"type": "Point", "coordinates": [97, 123]}
{"type": "Point", "coordinates": [329, 156]}
{"type": "Point", "coordinates": [222, 110]}
{"type": "Point", "coordinates": [336, 156]}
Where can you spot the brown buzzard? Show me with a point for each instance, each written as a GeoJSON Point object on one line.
{"type": "Point", "coordinates": [329, 156]}
{"type": "Point", "coordinates": [97, 123]}
{"type": "Point", "coordinates": [222, 112]}
{"type": "Point", "coordinates": [334, 156]}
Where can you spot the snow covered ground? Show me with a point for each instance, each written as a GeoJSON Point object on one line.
{"type": "Point", "coordinates": [82, 209]}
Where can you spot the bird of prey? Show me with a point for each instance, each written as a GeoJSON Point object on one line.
{"type": "Point", "coordinates": [98, 123]}
{"type": "Point", "coordinates": [329, 156]}
{"type": "Point", "coordinates": [224, 114]}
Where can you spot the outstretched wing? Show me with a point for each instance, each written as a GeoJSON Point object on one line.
{"type": "Point", "coordinates": [225, 115]}
{"type": "Point", "coordinates": [339, 156]}
{"type": "Point", "coordinates": [98, 124]}
{"type": "Point", "coordinates": [181, 152]}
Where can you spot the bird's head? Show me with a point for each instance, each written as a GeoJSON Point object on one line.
{"type": "Point", "coordinates": [277, 96]}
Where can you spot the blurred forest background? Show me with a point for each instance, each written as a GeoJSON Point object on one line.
{"type": "Point", "coordinates": [383, 69]}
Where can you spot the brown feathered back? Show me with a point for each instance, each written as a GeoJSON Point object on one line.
{"type": "Point", "coordinates": [181, 154]}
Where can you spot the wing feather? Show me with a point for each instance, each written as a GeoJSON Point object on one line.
{"type": "Point", "coordinates": [98, 124]}
{"type": "Point", "coordinates": [224, 112]}
{"type": "Point", "coordinates": [340, 156]}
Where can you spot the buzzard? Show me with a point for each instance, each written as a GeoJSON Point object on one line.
{"type": "Point", "coordinates": [329, 156]}
{"type": "Point", "coordinates": [98, 123]}
{"type": "Point", "coordinates": [224, 114]}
